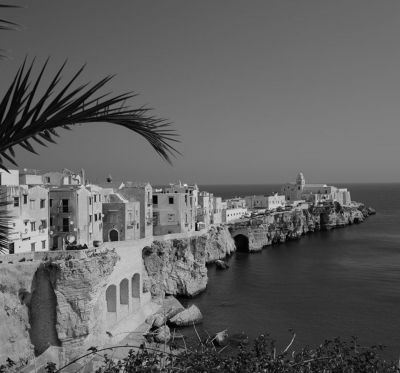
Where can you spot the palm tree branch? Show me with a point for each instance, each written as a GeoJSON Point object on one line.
{"type": "Point", "coordinates": [25, 115]}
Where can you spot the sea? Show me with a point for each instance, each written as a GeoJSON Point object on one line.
{"type": "Point", "coordinates": [340, 283]}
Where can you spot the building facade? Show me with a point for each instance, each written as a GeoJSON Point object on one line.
{"type": "Point", "coordinates": [142, 193]}
{"type": "Point", "coordinates": [121, 219]}
{"type": "Point", "coordinates": [314, 193]}
{"type": "Point", "coordinates": [265, 202]}
{"type": "Point", "coordinates": [173, 212]}
{"type": "Point", "coordinates": [28, 209]}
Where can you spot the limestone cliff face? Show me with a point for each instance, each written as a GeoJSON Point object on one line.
{"type": "Point", "coordinates": [178, 266]}
{"type": "Point", "coordinates": [56, 303]}
{"type": "Point", "coordinates": [291, 225]}
{"type": "Point", "coordinates": [15, 286]}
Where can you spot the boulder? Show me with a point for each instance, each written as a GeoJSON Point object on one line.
{"type": "Point", "coordinates": [159, 320]}
{"type": "Point", "coordinates": [191, 315]}
{"type": "Point", "coordinates": [162, 334]}
{"type": "Point", "coordinates": [220, 264]}
{"type": "Point", "coordinates": [221, 338]}
{"type": "Point", "coordinates": [371, 211]}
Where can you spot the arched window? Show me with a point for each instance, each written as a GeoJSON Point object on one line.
{"type": "Point", "coordinates": [124, 292]}
{"type": "Point", "coordinates": [111, 298]}
{"type": "Point", "coordinates": [136, 286]}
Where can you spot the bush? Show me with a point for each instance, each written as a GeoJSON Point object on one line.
{"type": "Point", "coordinates": [330, 357]}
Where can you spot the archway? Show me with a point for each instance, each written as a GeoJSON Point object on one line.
{"type": "Point", "coordinates": [114, 235]}
{"type": "Point", "coordinates": [124, 292]}
{"type": "Point", "coordinates": [241, 242]}
{"type": "Point", "coordinates": [136, 286]}
{"type": "Point", "coordinates": [111, 298]}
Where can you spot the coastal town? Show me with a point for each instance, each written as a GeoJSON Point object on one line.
{"type": "Point", "coordinates": [65, 211]}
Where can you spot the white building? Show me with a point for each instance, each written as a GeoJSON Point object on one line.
{"type": "Point", "coordinates": [314, 193]}
{"type": "Point", "coordinates": [265, 202]}
{"type": "Point", "coordinates": [29, 214]}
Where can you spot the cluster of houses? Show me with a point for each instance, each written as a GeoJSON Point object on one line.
{"type": "Point", "coordinates": [59, 210]}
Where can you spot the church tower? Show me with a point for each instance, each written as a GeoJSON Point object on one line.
{"type": "Point", "coordinates": [300, 181]}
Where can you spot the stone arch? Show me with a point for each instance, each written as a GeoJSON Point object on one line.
{"type": "Point", "coordinates": [111, 298]}
{"type": "Point", "coordinates": [241, 242]}
{"type": "Point", "coordinates": [114, 235]}
{"type": "Point", "coordinates": [136, 285]}
{"type": "Point", "coordinates": [124, 291]}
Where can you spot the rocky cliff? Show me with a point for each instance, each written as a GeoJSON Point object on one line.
{"type": "Point", "coordinates": [178, 266]}
{"type": "Point", "coordinates": [51, 302]}
{"type": "Point", "coordinates": [290, 225]}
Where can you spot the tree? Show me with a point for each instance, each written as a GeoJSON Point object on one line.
{"type": "Point", "coordinates": [27, 117]}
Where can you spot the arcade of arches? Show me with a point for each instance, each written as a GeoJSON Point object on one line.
{"type": "Point", "coordinates": [123, 299]}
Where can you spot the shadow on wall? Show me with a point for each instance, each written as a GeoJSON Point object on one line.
{"type": "Point", "coordinates": [42, 309]}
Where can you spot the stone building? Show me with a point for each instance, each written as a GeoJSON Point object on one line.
{"type": "Point", "coordinates": [75, 215]}
{"type": "Point", "coordinates": [237, 202]}
{"type": "Point", "coordinates": [192, 190]}
{"type": "Point", "coordinates": [314, 193]}
{"type": "Point", "coordinates": [142, 193]}
{"type": "Point", "coordinates": [121, 219]}
{"type": "Point", "coordinates": [205, 210]}
{"type": "Point", "coordinates": [173, 211]}
{"type": "Point", "coordinates": [265, 202]}
{"type": "Point", "coordinates": [29, 212]}
{"type": "Point", "coordinates": [217, 211]}
{"type": "Point", "coordinates": [232, 214]}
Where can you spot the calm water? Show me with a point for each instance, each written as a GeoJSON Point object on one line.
{"type": "Point", "coordinates": [339, 283]}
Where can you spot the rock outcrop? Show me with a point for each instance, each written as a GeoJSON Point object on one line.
{"type": "Point", "coordinates": [291, 225]}
{"type": "Point", "coordinates": [178, 266]}
{"type": "Point", "coordinates": [190, 316]}
{"type": "Point", "coordinates": [51, 303]}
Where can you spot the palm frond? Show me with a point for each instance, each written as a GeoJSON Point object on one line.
{"type": "Point", "coordinates": [27, 117]}
{"type": "Point", "coordinates": [5, 223]}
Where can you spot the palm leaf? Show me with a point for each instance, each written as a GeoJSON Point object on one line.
{"type": "Point", "coordinates": [27, 117]}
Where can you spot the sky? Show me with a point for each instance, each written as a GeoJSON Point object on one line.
{"type": "Point", "coordinates": [257, 90]}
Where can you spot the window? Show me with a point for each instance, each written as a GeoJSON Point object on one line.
{"type": "Point", "coordinates": [155, 200]}
{"type": "Point", "coordinates": [65, 205]}
{"type": "Point", "coordinates": [90, 200]}
{"type": "Point", "coordinates": [25, 199]}
{"type": "Point", "coordinates": [16, 201]}
{"type": "Point", "coordinates": [94, 198]}
{"type": "Point", "coordinates": [33, 226]}
{"type": "Point", "coordinates": [95, 217]}
{"type": "Point", "coordinates": [186, 198]}
{"type": "Point", "coordinates": [171, 200]}
{"type": "Point", "coordinates": [42, 203]}
{"type": "Point", "coordinates": [65, 225]}
{"type": "Point", "coordinates": [33, 244]}
{"type": "Point", "coordinates": [43, 224]}
{"type": "Point", "coordinates": [51, 221]}
{"type": "Point", "coordinates": [43, 245]}
{"type": "Point", "coordinates": [11, 247]}
{"type": "Point", "coordinates": [51, 203]}
{"type": "Point", "coordinates": [32, 204]}
{"type": "Point", "coordinates": [90, 218]}
{"type": "Point", "coordinates": [47, 179]}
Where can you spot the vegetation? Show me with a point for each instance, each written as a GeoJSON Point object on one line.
{"type": "Point", "coordinates": [27, 117]}
{"type": "Point", "coordinates": [331, 356]}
